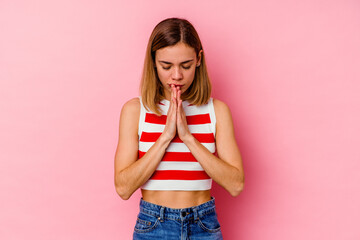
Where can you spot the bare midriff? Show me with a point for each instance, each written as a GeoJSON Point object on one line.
{"type": "Point", "coordinates": [176, 199]}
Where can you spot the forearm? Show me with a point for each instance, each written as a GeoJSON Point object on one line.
{"type": "Point", "coordinates": [135, 175]}
{"type": "Point", "coordinates": [220, 171]}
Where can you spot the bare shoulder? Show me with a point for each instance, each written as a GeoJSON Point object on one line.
{"type": "Point", "coordinates": [132, 104]}
{"type": "Point", "coordinates": [222, 110]}
{"type": "Point", "coordinates": [130, 114]}
{"type": "Point", "coordinates": [131, 108]}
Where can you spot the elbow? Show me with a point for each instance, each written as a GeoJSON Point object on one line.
{"type": "Point", "coordinates": [238, 188]}
{"type": "Point", "coordinates": [125, 195]}
{"type": "Point", "coordinates": [122, 193]}
{"type": "Point", "coordinates": [122, 190]}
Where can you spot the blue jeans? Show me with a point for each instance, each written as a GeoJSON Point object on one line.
{"type": "Point", "coordinates": [193, 223]}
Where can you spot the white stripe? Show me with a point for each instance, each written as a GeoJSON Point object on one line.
{"type": "Point", "coordinates": [181, 147]}
{"type": "Point", "coordinates": [150, 127]}
{"type": "Point", "coordinates": [201, 128]}
{"type": "Point", "coordinates": [185, 185]}
{"type": "Point", "coordinates": [189, 110]}
{"type": "Point", "coordinates": [194, 110]}
{"type": "Point", "coordinates": [198, 128]}
{"type": "Point", "coordinates": [164, 109]}
{"type": "Point", "coordinates": [187, 166]}
{"type": "Point", "coordinates": [175, 147]}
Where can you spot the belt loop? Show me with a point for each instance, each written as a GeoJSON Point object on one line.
{"type": "Point", "coordinates": [162, 214]}
{"type": "Point", "coordinates": [196, 214]}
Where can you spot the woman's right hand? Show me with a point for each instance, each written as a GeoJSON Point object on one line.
{"type": "Point", "coordinates": [170, 126]}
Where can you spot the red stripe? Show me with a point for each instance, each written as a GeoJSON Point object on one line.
{"type": "Point", "coordinates": [149, 136]}
{"type": "Point", "coordinates": [204, 137]}
{"type": "Point", "coordinates": [175, 156]}
{"type": "Point", "coordinates": [201, 137]}
{"type": "Point", "coordinates": [141, 154]}
{"type": "Point", "coordinates": [191, 120]}
{"type": "Point", "coordinates": [155, 119]}
{"type": "Point", "coordinates": [179, 175]}
{"type": "Point", "coordinates": [198, 119]}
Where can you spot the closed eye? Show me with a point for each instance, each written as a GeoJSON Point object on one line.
{"type": "Point", "coordinates": [167, 68]}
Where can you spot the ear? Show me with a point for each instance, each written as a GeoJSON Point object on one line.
{"type": "Point", "coordinates": [199, 58]}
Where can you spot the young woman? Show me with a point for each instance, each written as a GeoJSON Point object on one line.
{"type": "Point", "coordinates": [175, 139]}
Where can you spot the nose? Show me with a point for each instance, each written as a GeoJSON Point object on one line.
{"type": "Point", "coordinates": [176, 74]}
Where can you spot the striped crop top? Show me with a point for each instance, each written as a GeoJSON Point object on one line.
{"type": "Point", "coordinates": [178, 169]}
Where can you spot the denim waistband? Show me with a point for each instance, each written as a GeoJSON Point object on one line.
{"type": "Point", "coordinates": [180, 214]}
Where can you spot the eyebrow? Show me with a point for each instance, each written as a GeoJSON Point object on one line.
{"type": "Point", "coordinates": [181, 62]}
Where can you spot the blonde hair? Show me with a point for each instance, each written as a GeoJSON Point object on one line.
{"type": "Point", "coordinates": [168, 33]}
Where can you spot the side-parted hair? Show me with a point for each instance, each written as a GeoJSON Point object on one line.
{"type": "Point", "coordinates": [168, 33]}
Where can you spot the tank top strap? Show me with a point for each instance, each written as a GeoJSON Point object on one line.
{"type": "Point", "coordinates": [141, 118]}
{"type": "Point", "coordinates": [212, 115]}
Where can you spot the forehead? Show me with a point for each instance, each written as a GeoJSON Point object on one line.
{"type": "Point", "coordinates": [176, 53]}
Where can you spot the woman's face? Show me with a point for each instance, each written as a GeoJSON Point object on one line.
{"type": "Point", "coordinates": [176, 65]}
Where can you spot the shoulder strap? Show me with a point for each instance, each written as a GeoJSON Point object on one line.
{"type": "Point", "coordinates": [212, 115]}
{"type": "Point", "coordinates": [141, 118]}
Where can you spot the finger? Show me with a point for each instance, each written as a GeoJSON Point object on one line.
{"type": "Point", "coordinates": [174, 101]}
{"type": "Point", "coordinates": [180, 105]}
{"type": "Point", "coordinates": [171, 105]}
{"type": "Point", "coordinates": [171, 97]}
{"type": "Point", "coordinates": [175, 95]}
{"type": "Point", "coordinates": [178, 93]}
{"type": "Point", "coordinates": [179, 108]}
{"type": "Point", "coordinates": [172, 91]}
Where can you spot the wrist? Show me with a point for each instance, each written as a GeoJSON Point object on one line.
{"type": "Point", "coordinates": [164, 139]}
{"type": "Point", "coordinates": [188, 139]}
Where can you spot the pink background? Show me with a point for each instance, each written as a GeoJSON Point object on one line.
{"type": "Point", "coordinates": [289, 70]}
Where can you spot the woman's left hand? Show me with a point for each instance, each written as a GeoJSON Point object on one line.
{"type": "Point", "coordinates": [181, 124]}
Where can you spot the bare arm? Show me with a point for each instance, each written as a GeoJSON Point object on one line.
{"type": "Point", "coordinates": [131, 172]}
